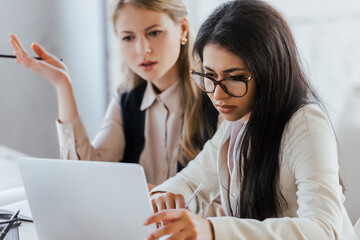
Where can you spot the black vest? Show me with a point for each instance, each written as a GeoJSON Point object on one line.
{"type": "Point", "coordinates": [134, 123]}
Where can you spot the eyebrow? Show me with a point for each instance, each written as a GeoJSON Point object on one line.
{"type": "Point", "coordinates": [146, 29]}
{"type": "Point", "coordinates": [229, 70]}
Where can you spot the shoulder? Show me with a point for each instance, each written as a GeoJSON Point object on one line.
{"type": "Point", "coordinates": [309, 138]}
{"type": "Point", "coordinates": [308, 118]}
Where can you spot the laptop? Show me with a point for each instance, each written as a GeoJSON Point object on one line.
{"type": "Point", "coordinates": [79, 200]}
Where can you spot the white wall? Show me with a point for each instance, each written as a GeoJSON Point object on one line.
{"type": "Point", "coordinates": [83, 39]}
{"type": "Point", "coordinates": [28, 104]}
{"type": "Point", "coordinates": [327, 33]}
{"type": "Point", "coordinates": [72, 30]}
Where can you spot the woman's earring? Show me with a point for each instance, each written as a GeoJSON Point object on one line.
{"type": "Point", "coordinates": [183, 41]}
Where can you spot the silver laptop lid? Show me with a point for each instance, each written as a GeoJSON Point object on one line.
{"type": "Point", "coordinates": [86, 200]}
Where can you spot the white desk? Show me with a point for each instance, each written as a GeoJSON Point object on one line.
{"type": "Point", "coordinates": [9, 171]}
{"type": "Point", "coordinates": [12, 194]}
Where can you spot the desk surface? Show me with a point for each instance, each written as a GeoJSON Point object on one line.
{"type": "Point", "coordinates": [9, 171]}
{"type": "Point", "coordinates": [26, 229]}
{"type": "Point", "coordinates": [11, 192]}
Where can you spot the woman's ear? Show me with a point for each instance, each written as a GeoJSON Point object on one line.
{"type": "Point", "coordinates": [184, 28]}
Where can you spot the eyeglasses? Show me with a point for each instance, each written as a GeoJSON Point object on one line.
{"type": "Point", "coordinates": [235, 86]}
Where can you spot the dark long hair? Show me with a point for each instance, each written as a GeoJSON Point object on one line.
{"type": "Point", "coordinates": [257, 33]}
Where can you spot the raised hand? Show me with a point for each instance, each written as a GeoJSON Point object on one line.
{"type": "Point", "coordinates": [50, 67]}
{"type": "Point", "coordinates": [54, 71]}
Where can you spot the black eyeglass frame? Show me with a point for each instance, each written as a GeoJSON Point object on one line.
{"type": "Point", "coordinates": [219, 82]}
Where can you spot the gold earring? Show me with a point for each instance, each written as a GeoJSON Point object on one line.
{"type": "Point", "coordinates": [183, 41]}
{"type": "Point", "coordinates": [148, 51]}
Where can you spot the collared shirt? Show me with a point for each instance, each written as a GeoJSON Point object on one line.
{"type": "Point", "coordinates": [235, 143]}
{"type": "Point", "coordinates": [163, 121]}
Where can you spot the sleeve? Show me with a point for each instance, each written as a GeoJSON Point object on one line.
{"type": "Point", "coordinates": [108, 144]}
{"type": "Point", "coordinates": [202, 169]}
{"type": "Point", "coordinates": [310, 152]}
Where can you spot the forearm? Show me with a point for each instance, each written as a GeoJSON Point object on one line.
{"type": "Point", "coordinates": [108, 144]}
{"type": "Point", "coordinates": [273, 228]}
{"type": "Point", "coordinates": [66, 103]}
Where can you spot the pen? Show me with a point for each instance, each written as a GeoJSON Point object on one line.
{"type": "Point", "coordinates": [192, 197]}
{"type": "Point", "coordinates": [9, 221]}
{"type": "Point", "coordinates": [5, 214]}
{"type": "Point", "coordinates": [8, 226]}
{"type": "Point", "coordinates": [13, 56]}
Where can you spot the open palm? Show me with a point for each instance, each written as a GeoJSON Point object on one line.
{"type": "Point", "coordinates": [50, 67]}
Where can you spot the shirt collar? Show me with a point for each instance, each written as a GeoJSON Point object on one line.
{"type": "Point", "coordinates": [149, 97]}
{"type": "Point", "coordinates": [169, 97]}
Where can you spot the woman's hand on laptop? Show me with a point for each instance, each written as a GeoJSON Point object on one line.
{"type": "Point", "coordinates": [170, 210]}
{"type": "Point", "coordinates": [167, 200]}
{"type": "Point", "coordinates": [180, 224]}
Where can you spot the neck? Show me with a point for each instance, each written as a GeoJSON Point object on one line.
{"type": "Point", "coordinates": [246, 117]}
{"type": "Point", "coordinates": [167, 80]}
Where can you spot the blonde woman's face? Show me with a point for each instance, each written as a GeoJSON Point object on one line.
{"type": "Point", "coordinates": [150, 43]}
{"type": "Point", "coordinates": [219, 64]}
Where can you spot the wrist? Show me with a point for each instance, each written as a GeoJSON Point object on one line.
{"type": "Point", "coordinates": [63, 87]}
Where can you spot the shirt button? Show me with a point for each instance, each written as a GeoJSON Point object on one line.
{"type": "Point", "coordinates": [67, 130]}
{"type": "Point", "coordinates": [70, 141]}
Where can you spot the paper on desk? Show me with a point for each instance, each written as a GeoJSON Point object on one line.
{"type": "Point", "coordinates": [26, 229]}
{"type": "Point", "coordinates": [22, 205]}
{"type": "Point", "coordinates": [11, 196]}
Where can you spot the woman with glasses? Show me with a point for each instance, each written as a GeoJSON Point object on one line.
{"type": "Point", "coordinates": [274, 159]}
{"type": "Point", "coordinates": [158, 118]}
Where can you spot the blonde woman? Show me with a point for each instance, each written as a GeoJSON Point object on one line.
{"type": "Point", "coordinates": [158, 118]}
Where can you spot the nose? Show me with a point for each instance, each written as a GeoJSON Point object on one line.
{"type": "Point", "coordinates": [219, 93]}
{"type": "Point", "coordinates": [142, 46]}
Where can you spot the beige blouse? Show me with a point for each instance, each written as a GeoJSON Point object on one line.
{"type": "Point", "coordinates": [163, 123]}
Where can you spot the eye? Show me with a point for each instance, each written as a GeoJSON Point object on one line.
{"type": "Point", "coordinates": [155, 33]}
{"type": "Point", "coordinates": [128, 38]}
{"type": "Point", "coordinates": [210, 74]}
{"type": "Point", "coordinates": [238, 77]}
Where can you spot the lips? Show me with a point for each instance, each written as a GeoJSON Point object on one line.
{"type": "Point", "coordinates": [225, 108]}
{"type": "Point", "coordinates": [147, 65]}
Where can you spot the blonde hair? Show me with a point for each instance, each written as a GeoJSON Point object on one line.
{"type": "Point", "coordinates": [195, 125]}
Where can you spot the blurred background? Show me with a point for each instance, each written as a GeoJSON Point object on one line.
{"type": "Point", "coordinates": [327, 33]}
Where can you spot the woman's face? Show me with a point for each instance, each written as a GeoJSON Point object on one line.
{"type": "Point", "coordinates": [150, 43]}
{"type": "Point", "coordinates": [219, 64]}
